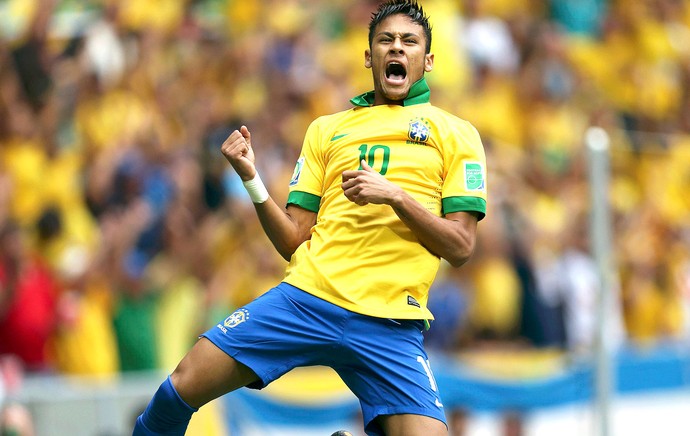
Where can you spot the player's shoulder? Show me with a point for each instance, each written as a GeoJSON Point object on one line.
{"type": "Point", "coordinates": [448, 116]}
{"type": "Point", "coordinates": [332, 118]}
{"type": "Point", "coordinates": [325, 124]}
{"type": "Point", "coordinates": [449, 119]}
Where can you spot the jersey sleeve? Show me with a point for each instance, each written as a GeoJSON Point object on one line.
{"type": "Point", "coordinates": [307, 181]}
{"type": "Point", "coordinates": [464, 185]}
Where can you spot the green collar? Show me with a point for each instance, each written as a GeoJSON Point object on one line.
{"type": "Point", "coordinates": [419, 93]}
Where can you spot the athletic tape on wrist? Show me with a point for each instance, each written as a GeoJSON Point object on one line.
{"type": "Point", "coordinates": [256, 189]}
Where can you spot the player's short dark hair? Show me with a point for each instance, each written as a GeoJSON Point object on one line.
{"type": "Point", "coordinates": [405, 7]}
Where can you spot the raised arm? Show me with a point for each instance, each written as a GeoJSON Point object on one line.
{"type": "Point", "coordinates": [451, 237]}
{"type": "Point", "coordinates": [286, 228]}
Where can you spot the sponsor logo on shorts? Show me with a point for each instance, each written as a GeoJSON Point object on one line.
{"type": "Point", "coordinates": [236, 318]}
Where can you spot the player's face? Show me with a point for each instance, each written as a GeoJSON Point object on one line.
{"type": "Point", "coordinates": [397, 58]}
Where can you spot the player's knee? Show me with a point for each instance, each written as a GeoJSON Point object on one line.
{"type": "Point", "coordinates": [181, 373]}
{"type": "Point", "coordinates": [206, 373]}
{"type": "Point", "coordinates": [186, 381]}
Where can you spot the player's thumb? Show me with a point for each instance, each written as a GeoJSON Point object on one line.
{"type": "Point", "coordinates": [245, 133]}
{"type": "Point", "coordinates": [365, 166]}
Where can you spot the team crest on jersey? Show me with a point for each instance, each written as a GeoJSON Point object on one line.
{"type": "Point", "coordinates": [236, 318]}
{"type": "Point", "coordinates": [298, 170]}
{"type": "Point", "coordinates": [419, 131]}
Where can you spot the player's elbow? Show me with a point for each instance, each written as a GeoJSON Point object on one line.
{"type": "Point", "coordinates": [460, 254]}
{"type": "Point", "coordinates": [287, 248]}
{"type": "Point", "coordinates": [286, 254]}
{"type": "Point", "coordinates": [287, 244]}
{"type": "Point", "coordinates": [458, 260]}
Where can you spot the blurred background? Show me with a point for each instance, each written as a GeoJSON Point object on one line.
{"type": "Point", "coordinates": [124, 233]}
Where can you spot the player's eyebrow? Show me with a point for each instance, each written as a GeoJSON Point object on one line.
{"type": "Point", "coordinates": [392, 35]}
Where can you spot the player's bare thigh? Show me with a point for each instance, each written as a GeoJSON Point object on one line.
{"type": "Point", "coordinates": [411, 425]}
{"type": "Point", "coordinates": [206, 373]}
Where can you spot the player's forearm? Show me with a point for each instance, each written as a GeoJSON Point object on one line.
{"type": "Point", "coordinates": [451, 239]}
{"type": "Point", "coordinates": [280, 228]}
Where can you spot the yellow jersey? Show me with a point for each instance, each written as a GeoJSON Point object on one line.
{"type": "Point", "coordinates": [364, 258]}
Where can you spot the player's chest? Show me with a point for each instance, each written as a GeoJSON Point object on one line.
{"type": "Point", "coordinates": [397, 147]}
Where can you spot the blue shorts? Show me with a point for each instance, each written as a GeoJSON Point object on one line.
{"type": "Point", "coordinates": [381, 360]}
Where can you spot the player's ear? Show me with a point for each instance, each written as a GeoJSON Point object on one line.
{"type": "Point", "coordinates": [367, 58]}
{"type": "Point", "coordinates": [428, 62]}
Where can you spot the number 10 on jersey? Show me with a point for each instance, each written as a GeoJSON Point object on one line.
{"type": "Point", "coordinates": [369, 153]}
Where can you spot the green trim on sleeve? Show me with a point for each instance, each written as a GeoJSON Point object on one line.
{"type": "Point", "coordinates": [464, 204]}
{"type": "Point", "coordinates": [304, 200]}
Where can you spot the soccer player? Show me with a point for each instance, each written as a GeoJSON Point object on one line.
{"type": "Point", "coordinates": [380, 193]}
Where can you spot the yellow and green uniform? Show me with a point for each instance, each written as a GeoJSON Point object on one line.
{"type": "Point", "coordinates": [364, 258]}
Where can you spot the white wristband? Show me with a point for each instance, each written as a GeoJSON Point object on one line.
{"type": "Point", "coordinates": [256, 189]}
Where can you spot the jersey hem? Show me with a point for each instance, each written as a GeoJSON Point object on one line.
{"type": "Point", "coordinates": [423, 315]}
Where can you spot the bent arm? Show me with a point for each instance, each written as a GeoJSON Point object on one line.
{"type": "Point", "coordinates": [452, 238]}
{"type": "Point", "coordinates": [286, 228]}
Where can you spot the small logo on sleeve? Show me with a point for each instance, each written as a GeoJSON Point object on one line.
{"type": "Point", "coordinates": [474, 176]}
{"type": "Point", "coordinates": [297, 172]}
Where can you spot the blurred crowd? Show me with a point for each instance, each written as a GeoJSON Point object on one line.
{"type": "Point", "coordinates": [124, 234]}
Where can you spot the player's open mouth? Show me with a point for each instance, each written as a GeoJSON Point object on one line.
{"type": "Point", "coordinates": [395, 72]}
